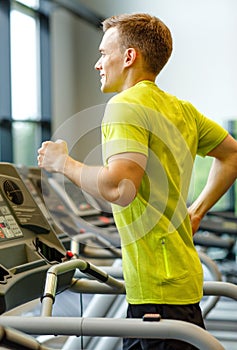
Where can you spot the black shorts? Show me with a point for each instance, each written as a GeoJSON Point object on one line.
{"type": "Point", "coordinates": [189, 313]}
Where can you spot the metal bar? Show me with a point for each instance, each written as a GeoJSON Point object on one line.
{"type": "Point", "coordinates": [4, 121]}
{"type": "Point", "coordinates": [221, 325]}
{"type": "Point", "coordinates": [118, 310]}
{"type": "Point", "coordinates": [45, 77]}
{"type": "Point", "coordinates": [89, 287]}
{"type": "Point", "coordinates": [114, 271]}
{"type": "Point", "coordinates": [224, 289]}
{"type": "Point", "coordinates": [84, 266]}
{"type": "Point", "coordinates": [18, 340]}
{"type": "Point", "coordinates": [132, 328]}
{"type": "Point", "coordinates": [99, 306]}
{"type": "Point", "coordinates": [212, 300]}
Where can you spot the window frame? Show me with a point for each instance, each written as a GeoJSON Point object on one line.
{"type": "Point", "coordinates": [6, 145]}
{"type": "Point", "coordinates": [6, 120]}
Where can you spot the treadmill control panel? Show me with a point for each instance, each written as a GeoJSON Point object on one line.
{"type": "Point", "coordinates": [18, 209]}
{"type": "Point", "coordinates": [8, 226]}
{"type": "Point", "coordinates": [28, 244]}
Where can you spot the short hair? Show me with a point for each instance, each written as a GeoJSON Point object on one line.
{"type": "Point", "coordinates": [146, 33]}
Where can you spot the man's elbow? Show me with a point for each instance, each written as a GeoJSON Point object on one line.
{"type": "Point", "coordinates": [125, 193]}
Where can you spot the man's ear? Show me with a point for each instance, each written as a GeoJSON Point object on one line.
{"type": "Point", "coordinates": [130, 56]}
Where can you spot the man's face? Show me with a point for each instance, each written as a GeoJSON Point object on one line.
{"type": "Point", "coordinates": [111, 62]}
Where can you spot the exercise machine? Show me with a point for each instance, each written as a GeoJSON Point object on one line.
{"type": "Point", "coordinates": [28, 244]}
{"type": "Point", "coordinates": [35, 264]}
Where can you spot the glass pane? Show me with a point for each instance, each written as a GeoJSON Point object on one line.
{"type": "Point", "coordinates": [26, 138]}
{"type": "Point", "coordinates": [24, 63]}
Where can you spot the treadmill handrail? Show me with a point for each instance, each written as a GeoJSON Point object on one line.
{"type": "Point", "coordinates": [212, 267]}
{"type": "Point", "coordinates": [225, 289]}
{"type": "Point", "coordinates": [19, 340]}
{"type": "Point", "coordinates": [118, 286]}
{"type": "Point", "coordinates": [112, 327]}
{"type": "Point", "coordinates": [84, 266]}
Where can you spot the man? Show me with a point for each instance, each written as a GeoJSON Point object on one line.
{"type": "Point", "coordinates": [150, 140]}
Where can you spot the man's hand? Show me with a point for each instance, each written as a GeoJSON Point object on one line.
{"type": "Point", "coordinates": [52, 156]}
{"type": "Point", "coordinates": [195, 221]}
{"type": "Point", "coordinates": [222, 175]}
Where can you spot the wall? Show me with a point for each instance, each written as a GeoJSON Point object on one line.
{"type": "Point", "coordinates": [202, 68]}
{"type": "Point", "coordinates": [76, 84]}
{"type": "Point", "coordinates": [203, 65]}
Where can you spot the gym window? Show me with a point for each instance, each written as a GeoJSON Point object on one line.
{"type": "Point", "coordinates": [26, 119]}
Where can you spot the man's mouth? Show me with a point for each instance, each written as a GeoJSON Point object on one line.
{"type": "Point", "coordinates": [102, 76]}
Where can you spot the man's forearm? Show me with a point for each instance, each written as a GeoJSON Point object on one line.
{"type": "Point", "coordinates": [101, 182]}
{"type": "Point", "coordinates": [118, 182]}
{"type": "Point", "coordinates": [85, 177]}
{"type": "Point", "coordinates": [222, 175]}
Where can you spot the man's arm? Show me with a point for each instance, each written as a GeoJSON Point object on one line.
{"type": "Point", "coordinates": [222, 175]}
{"type": "Point", "coordinates": [117, 183]}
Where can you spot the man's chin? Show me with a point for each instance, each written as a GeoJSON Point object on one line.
{"type": "Point", "coordinates": [106, 89]}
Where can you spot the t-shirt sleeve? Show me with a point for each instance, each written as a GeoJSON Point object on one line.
{"type": "Point", "coordinates": [124, 130]}
{"type": "Point", "coordinates": [209, 133]}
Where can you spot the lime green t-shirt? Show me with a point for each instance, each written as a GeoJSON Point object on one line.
{"type": "Point", "coordinates": [160, 262]}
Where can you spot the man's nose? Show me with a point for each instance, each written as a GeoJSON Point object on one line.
{"type": "Point", "coordinates": [98, 65]}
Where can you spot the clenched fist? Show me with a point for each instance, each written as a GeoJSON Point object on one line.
{"type": "Point", "coordinates": [52, 156]}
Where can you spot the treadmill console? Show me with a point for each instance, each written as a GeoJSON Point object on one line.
{"type": "Point", "coordinates": [28, 245]}
{"type": "Point", "coordinates": [17, 208]}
